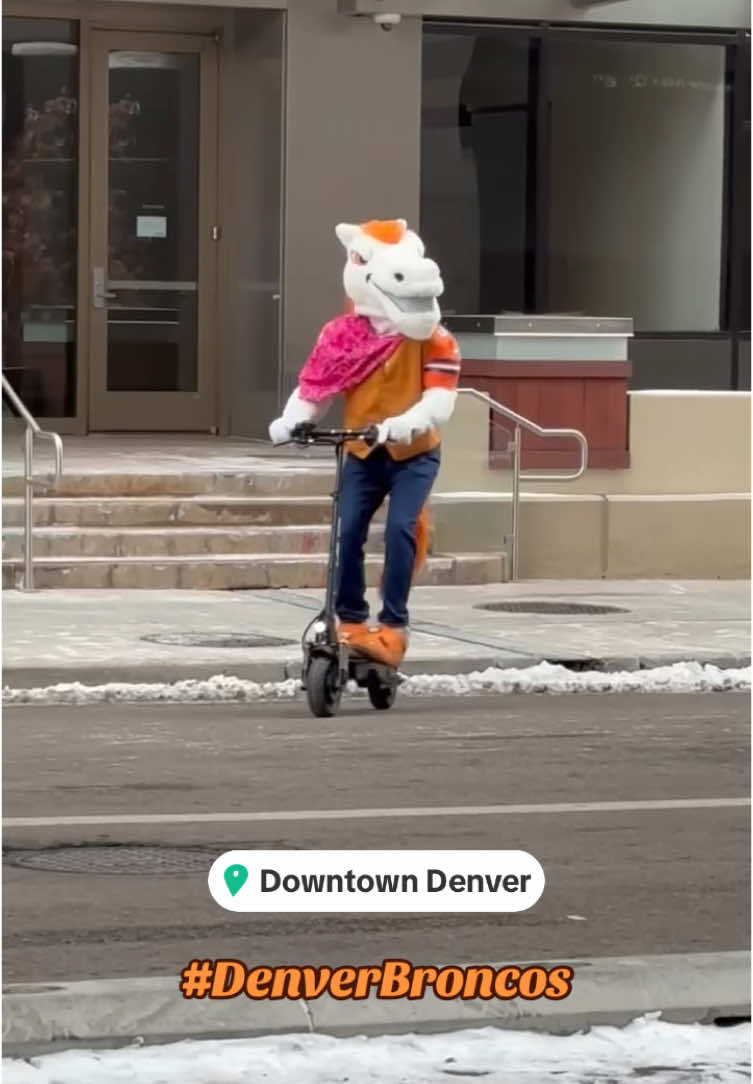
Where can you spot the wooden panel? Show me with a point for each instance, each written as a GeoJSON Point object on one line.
{"type": "Point", "coordinates": [605, 416]}
{"type": "Point", "coordinates": [591, 398]}
{"type": "Point", "coordinates": [561, 405]}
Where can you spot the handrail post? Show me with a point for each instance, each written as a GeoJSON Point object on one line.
{"type": "Point", "coordinates": [514, 571]}
{"type": "Point", "coordinates": [28, 509]}
{"type": "Point", "coordinates": [515, 449]}
{"type": "Point", "coordinates": [32, 431]}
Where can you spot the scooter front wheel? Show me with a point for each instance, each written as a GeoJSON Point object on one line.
{"type": "Point", "coordinates": [323, 686]}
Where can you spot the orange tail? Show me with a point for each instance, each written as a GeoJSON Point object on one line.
{"type": "Point", "coordinates": [423, 531]}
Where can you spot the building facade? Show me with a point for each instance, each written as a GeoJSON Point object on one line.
{"type": "Point", "coordinates": [172, 174]}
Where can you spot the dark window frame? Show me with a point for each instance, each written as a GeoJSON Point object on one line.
{"type": "Point", "coordinates": [739, 195]}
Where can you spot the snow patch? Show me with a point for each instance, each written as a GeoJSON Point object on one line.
{"type": "Point", "coordinates": [646, 1049]}
{"type": "Point", "coordinates": [544, 677]}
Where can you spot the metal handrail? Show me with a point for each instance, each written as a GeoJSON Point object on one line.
{"type": "Point", "coordinates": [32, 431]}
{"type": "Point", "coordinates": [514, 449]}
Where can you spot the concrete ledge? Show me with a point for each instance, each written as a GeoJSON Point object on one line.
{"type": "Point", "coordinates": [561, 535]}
{"type": "Point", "coordinates": [687, 535]}
{"type": "Point", "coordinates": [222, 572]}
{"type": "Point", "coordinates": [479, 521]}
{"type": "Point", "coordinates": [614, 990]}
{"type": "Point", "coordinates": [679, 442]}
{"type": "Point", "coordinates": [566, 535]}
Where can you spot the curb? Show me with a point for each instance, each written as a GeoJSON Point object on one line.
{"type": "Point", "coordinates": [685, 988]}
{"type": "Point", "coordinates": [25, 677]}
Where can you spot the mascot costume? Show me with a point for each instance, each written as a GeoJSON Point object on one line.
{"type": "Point", "coordinates": [397, 368]}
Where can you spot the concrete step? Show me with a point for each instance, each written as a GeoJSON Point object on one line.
{"type": "Point", "coordinates": [175, 541]}
{"type": "Point", "coordinates": [165, 511]}
{"type": "Point", "coordinates": [228, 572]}
{"type": "Point", "coordinates": [313, 480]}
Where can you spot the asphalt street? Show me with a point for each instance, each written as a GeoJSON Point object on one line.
{"type": "Point", "coordinates": [636, 880]}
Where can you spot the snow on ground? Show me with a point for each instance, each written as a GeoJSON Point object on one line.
{"type": "Point", "coordinates": [647, 1049]}
{"type": "Point", "coordinates": [544, 677]}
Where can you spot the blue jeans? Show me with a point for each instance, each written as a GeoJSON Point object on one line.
{"type": "Point", "coordinates": [366, 483]}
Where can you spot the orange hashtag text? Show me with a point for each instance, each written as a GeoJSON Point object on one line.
{"type": "Point", "coordinates": [391, 979]}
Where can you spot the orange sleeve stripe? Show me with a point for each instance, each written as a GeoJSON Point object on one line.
{"type": "Point", "coordinates": [433, 379]}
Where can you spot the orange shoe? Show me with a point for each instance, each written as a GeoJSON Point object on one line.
{"type": "Point", "coordinates": [384, 644]}
{"type": "Point", "coordinates": [351, 632]}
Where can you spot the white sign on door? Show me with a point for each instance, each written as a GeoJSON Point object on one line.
{"type": "Point", "coordinates": [151, 226]}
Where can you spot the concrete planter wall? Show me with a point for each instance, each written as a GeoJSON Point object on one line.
{"type": "Point", "coordinates": [682, 508]}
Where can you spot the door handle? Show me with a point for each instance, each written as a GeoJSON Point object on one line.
{"type": "Point", "coordinates": [100, 294]}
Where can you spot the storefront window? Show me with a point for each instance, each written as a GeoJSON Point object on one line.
{"type": "Point", "coordinates": [568, 172]}
{"type": "Point", "coordinates": [40, 179]}
{"type": "Point", "coordinates": [474, 167]}
{"type": "Point", "coordinates": [636, 181]}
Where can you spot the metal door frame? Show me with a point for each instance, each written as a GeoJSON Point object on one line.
{"type": "Point", "coordinates": [153, 410]}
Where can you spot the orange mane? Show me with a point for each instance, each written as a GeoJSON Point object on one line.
{"type": "Point", "coordinates": [389, 232]}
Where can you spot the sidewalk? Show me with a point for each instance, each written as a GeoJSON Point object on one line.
{"type": "Point", "coordinates": [144, 636]}
{"type": "Point", "coordinates": [609, 990]}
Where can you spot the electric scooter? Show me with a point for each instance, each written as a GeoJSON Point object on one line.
{"type": "Point", "coordinates": [327, 664]}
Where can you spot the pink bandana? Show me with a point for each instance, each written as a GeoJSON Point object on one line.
{"type": "Point", "coordinates": [347, 351]}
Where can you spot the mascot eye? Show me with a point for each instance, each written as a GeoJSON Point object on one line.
{"type": "Point", "coordinates": [357, 258]}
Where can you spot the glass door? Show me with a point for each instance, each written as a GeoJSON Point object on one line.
{"type": "Point", "coordinates": [40, 198]}
{"type": "Point", "coordinates": [154, 234]}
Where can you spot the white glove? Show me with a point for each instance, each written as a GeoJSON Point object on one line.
{"type": "Point", "coordinates": [434, 408]}
{"type": "Point", "coordinates": [296, 410]}
{"type": "Point", "coordinates": [399, 430]}
{"type": "Point", "coordinates": [279, 431]}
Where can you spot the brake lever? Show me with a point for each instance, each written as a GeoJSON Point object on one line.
{"type": "Point", "coordinates": [302, 432]}
{"type": "Point", "coordinates": [371, 436]}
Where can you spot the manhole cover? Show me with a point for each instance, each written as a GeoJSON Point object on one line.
{"type": "Point", "coordinates": [521, 606]}
{"type": "Point", "coordinates": [215, 639]}
{"type": "Point", "coordinates": [104, 859]}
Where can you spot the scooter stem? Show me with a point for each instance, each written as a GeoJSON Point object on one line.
{"type": "Point", "coordinates": [333, 559]}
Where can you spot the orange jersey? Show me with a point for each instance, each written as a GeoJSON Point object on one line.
{"type": "Point", "coordinates": [398, 384]}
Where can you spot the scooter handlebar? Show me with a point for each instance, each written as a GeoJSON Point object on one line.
{"type": "Point", "coordinates": [307, 433]}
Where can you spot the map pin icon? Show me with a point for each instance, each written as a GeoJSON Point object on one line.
{"type": "Point", "coordinates": [235, 878]}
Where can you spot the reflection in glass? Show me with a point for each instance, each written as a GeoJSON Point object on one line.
{"type": "Point", "coordinates": [153, 196]}
{"type": "Point", "coordinates": [40, 178]}
{"type": "Point", "coordinates": [637, 181]}
{"type": "Point", "coordinates": [624, 157]}
{"type": "Point", "coordinates": [476, 120]}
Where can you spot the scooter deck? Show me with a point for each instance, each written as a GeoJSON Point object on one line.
{"type": "Point", "coordinates": [361, 669]}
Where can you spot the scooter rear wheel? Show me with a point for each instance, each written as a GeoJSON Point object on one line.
{"type": "Point", "coordinates": [382, 696]}
{"type": "Point", "coordinates": [323, 687]}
